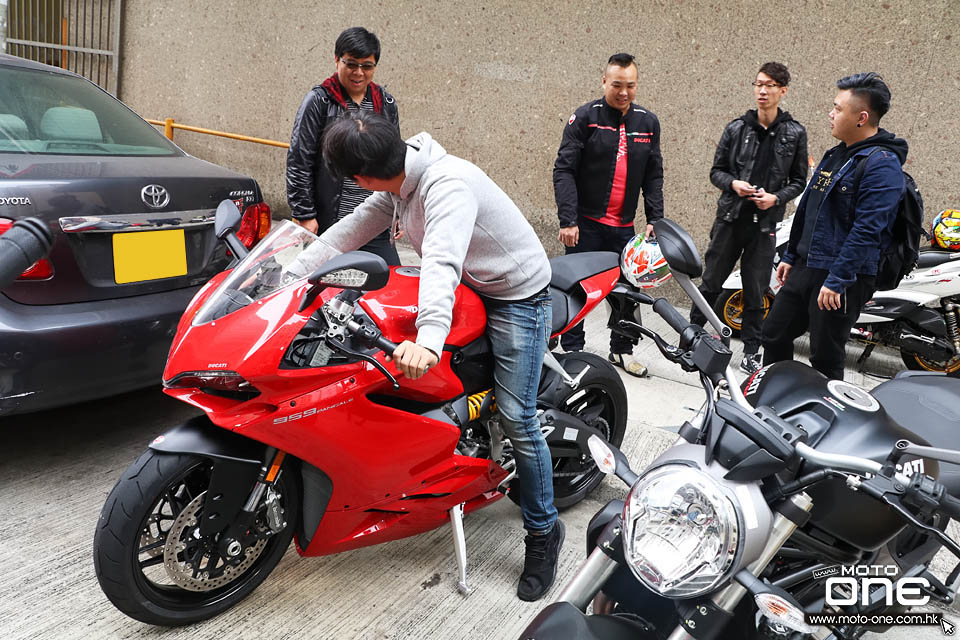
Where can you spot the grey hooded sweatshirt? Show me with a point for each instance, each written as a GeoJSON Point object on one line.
{"type": "Point", "coordinates": [463, 226]}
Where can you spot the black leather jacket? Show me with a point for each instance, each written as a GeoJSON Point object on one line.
{"type": "Point", "coordinates": [737, 152]}
{"type": "Point", "coordinates": [311, 191]}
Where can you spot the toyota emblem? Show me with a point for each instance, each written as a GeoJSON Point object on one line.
{"type": "Point", "coordinates": [155, 196]}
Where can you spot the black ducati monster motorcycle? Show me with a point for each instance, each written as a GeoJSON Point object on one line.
{"type": "Point", "coordinates": [792, 507]}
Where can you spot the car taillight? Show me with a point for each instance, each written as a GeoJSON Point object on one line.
{"type": "Point", "coordinates": [39, 270]}
{"type": "Point", "coordinates": [255, 224]}
{"type": "Point", "coordinates": [226, 384]}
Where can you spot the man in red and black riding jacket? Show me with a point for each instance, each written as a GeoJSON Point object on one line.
{"type": "Point", "coordinates": [610, 152]}
{"type": "Point", "coordinates": [316, 199]}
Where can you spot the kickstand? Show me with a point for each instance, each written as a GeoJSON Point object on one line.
{"type": "Point", "coordinates": [460, 548]}
{"type": "Point", "coordinates": [863, 356]}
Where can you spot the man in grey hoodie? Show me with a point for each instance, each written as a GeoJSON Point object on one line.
{"type": "Point", "coordinates": [465, 228]}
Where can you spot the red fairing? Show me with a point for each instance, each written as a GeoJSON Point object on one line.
{"type": "Point", "coordinates": [596, 287]}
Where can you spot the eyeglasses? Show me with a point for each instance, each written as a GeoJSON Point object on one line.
{"type": "Point", "coordinates": [353, 65]}
{"type": "Point", "coordinates": [768, 85]}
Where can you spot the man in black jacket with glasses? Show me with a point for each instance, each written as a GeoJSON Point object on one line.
{"type": "Point", "coordinates": [316, 198]}
{"type": "Point", "coordinates": [760, 165]}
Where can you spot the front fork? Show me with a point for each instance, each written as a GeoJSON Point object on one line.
{"type": "Point", "coordinates": [233, 542]}
{"type": "Point", "coordinates": [602, 563]}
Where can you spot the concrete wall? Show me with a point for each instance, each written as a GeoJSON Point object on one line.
{"type": "Point", "coordinates": [495, 82]}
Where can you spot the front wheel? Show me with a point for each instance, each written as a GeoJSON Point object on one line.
{"type": "Point", "coordinates": [150, 559]}
{"type": "Point", "coordinates": [600, 400]}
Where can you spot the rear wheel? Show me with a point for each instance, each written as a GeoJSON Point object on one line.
{"type": "Point", "coordinates": [917, 362]}
{"type": "Point", "coordinates": [600, 400]}
{"type": "Point", "coordinates": [729, 308]}
{"type": "Point", "coordinates": [149, 556]}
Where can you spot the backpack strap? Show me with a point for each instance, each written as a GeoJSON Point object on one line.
{"type": "Point", "coordinates": [861, 169]}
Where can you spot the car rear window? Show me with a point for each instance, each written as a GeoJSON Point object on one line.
{"type": "Point", "coordinates": [53, 114]}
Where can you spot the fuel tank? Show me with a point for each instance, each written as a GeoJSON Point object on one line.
{"type": "Point", "coordinates": [394, 308]}
{"type": "Point", "coordinates": [839, 418]}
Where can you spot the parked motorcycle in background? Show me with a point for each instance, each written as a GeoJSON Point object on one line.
{"type": "Point", "coordinates": [920, 318]}
{"type": "Point", "coordinates": [309, 432]}
{"type": "Point", "coordinates": [823, 503]}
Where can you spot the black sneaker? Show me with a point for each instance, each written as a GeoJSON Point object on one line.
{"type": "Point", "coordinates": [751, 363]}
{"type": "Point", "coordinates": [540, 563]}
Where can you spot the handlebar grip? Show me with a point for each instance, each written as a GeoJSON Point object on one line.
{"type": "Point", "coordinates": [950, 506]}
{"type": "Point", "coordinates": [385, 345]}
{"type": "Point", "coordinates": [670, 314]}
{"type": "Point", "coordinates": [27, 241]}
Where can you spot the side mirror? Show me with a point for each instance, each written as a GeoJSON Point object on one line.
{"type": "Point", "coordinates": [226, 225]}
{"type": "Point", "coordinates": [678, 248]}
{"type": "Point", "coordinates": [357, 270]}
{"type": "Point", "coordinates": [228, 218]}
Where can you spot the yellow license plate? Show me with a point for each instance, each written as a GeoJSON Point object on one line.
{"type": "Point", "coordinates": [149, 255]}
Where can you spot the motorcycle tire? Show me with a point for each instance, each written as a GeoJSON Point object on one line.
{"type": "Point", "coordinates": [601, 401]}
{"type": "Point", "coordinates": [149, 576]}
{"type": "Point", "coordinates": [729, 308]}
{"type": "Point", "coordinates": [917, 362]}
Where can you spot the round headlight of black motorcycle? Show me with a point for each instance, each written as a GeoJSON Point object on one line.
{"type": "Point", "coordinates": [681, 531]}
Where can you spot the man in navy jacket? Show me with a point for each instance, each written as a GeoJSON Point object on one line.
{"type": "Point", "coordinates": [828, 271]}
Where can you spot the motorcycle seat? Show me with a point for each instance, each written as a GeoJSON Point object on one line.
{"type": "Point", "coordinates": [568, 297]}
{"type": "Point", "coordinates": [569, 270]}
{"type": "Point", "coordinates": [926, 404]}
{"type": "Point", "coordinates": [934, 257]}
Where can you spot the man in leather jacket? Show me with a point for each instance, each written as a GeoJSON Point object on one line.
{"type": "Point", "coordinates": [316, 198]}
{"type": "Point", "coordinates": [760, 164]}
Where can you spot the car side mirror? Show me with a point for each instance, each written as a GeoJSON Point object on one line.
{"type": "Point", "coordinates": [678, 248]}
{"type": "Point", "coordinates": [225, 227]}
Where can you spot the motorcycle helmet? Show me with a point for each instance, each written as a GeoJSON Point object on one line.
{"type": "Point", "coordinates": [642, 263]}
{"type": "Point", "coordinates": [945, 230]}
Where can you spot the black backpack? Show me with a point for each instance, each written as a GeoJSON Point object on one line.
{"type": "Point", "coordinates": [900, 257]}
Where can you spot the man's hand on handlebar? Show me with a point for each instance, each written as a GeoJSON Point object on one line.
{"type": "Point", "coordinates": [413, 360]}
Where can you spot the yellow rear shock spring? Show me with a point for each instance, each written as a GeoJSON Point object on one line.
{"type": "Point", "coordinates": [475, 403]}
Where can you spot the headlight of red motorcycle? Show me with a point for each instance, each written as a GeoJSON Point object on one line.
{"type": "Point", "coordinates": [224, 384]}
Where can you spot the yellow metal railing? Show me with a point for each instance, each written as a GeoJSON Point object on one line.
{"type": "Point", "coordinates": [169, 125]}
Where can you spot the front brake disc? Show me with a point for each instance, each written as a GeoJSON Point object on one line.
{"type": "Point", "coordinates": [195, 573]}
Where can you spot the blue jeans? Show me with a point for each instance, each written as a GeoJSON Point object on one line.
{"type": "Point", "coordinates": [518, 333]}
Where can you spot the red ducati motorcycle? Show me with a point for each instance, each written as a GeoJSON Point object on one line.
{"type": "Point", "coordinates": [310, 433]}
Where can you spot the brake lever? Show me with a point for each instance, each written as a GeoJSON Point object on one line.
{"type": "Point", "coordinates": [339, 346]}
{"type": "Point", "coordinates": [671, 352]}
{"type": "Point", "coordinates": [890, 495]}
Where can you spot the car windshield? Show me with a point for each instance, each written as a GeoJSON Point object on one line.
{"type": "Point", "coordinates": [56, 114]}
{"type": "Point", "coordinates": [272, 265]}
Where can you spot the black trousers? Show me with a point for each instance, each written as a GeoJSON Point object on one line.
{"type": "Point", "coordinates": [795, 309]}
{"type": "Point", "coordinates": [598, 237]}
{"type": "Point", "coordinates": [754, 244]}
{"type": "Point", "coordinates": [382, 247]}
